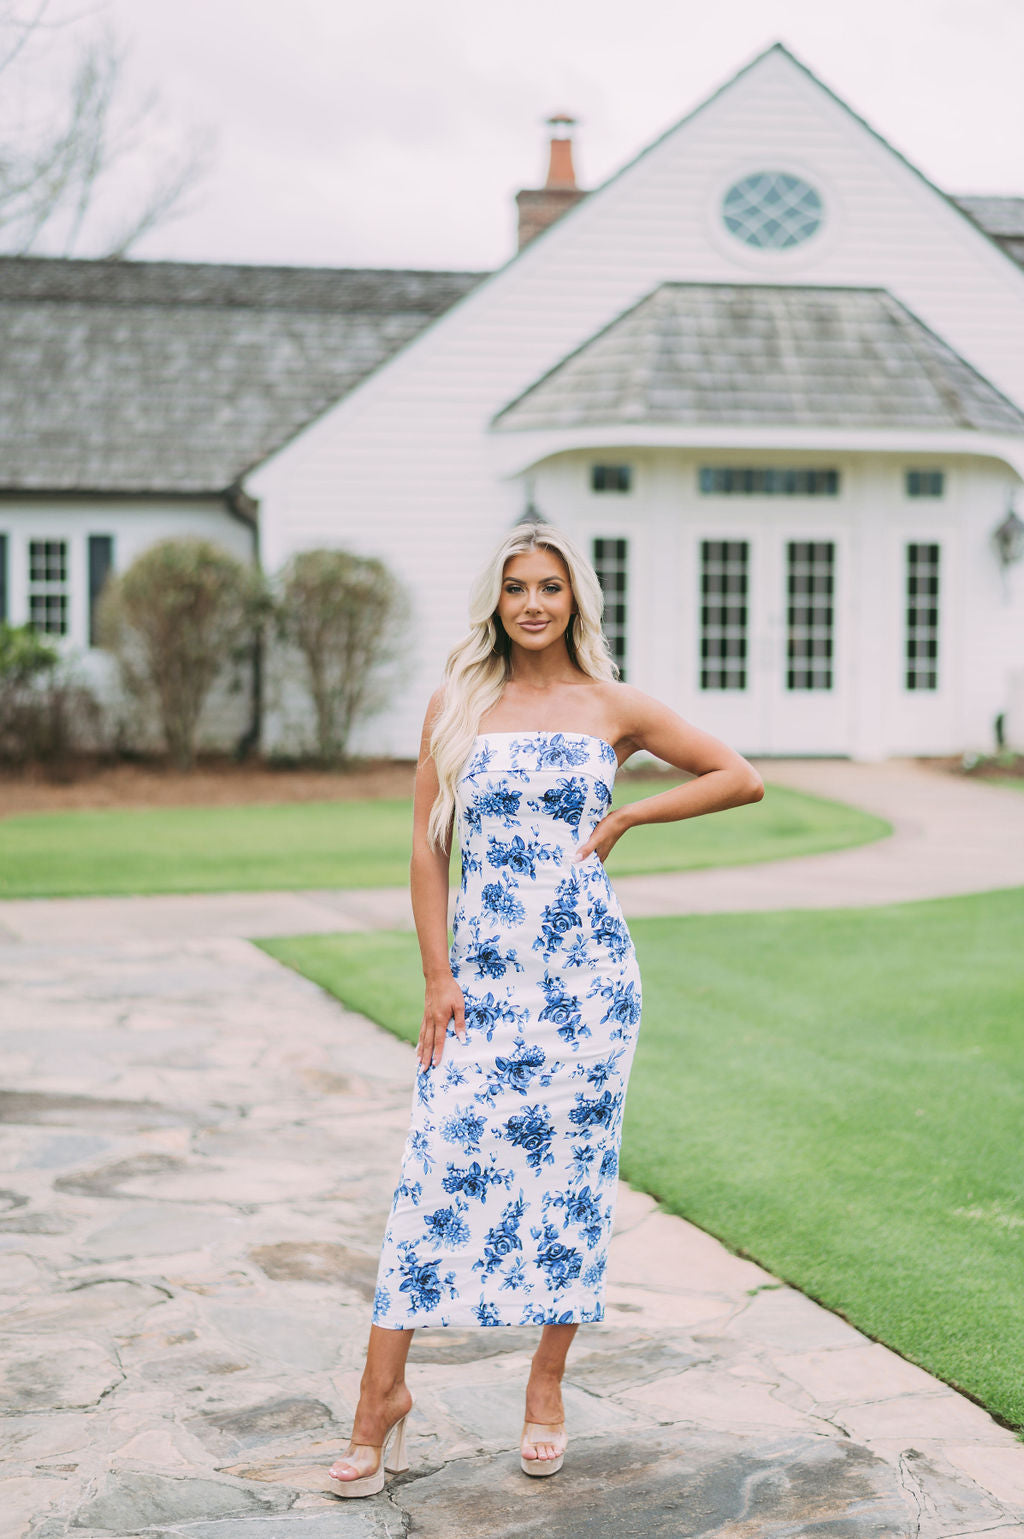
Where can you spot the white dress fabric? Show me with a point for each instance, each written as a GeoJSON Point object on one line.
{"type": "Point", "coordinates": [504, 1208]}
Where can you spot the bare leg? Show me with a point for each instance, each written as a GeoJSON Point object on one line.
{"type": "Point", "coordinates": [383, 1399]}
{"type": "Point", "coordinates": [544, 1389]}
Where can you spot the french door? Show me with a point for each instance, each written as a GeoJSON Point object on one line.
{"type": "Point", "coordinates": [771, 644]}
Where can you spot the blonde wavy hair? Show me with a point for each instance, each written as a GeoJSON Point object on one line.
{"type": "Point", "coordinates": [479, 666]}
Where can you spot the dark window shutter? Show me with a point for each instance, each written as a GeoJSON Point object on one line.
{"type": "Point", "coordinates": [3, 578]}
{"type": "Point", "coordinates": [101, 559]}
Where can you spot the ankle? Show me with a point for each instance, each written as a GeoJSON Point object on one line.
{"type": "Point", "coordinates": [548, 1372]}
{"type": "Point", "coordinates": [382, 1389]}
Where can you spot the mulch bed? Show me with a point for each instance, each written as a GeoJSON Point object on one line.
{"type": "Point", "coordinates": [213, 783]}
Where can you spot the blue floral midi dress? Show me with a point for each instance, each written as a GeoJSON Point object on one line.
{"type": "Point", "coordinates": [503, 1211]}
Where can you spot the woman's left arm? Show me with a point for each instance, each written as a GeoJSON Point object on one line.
{"type": "Point", "coordinates": [723, 778]}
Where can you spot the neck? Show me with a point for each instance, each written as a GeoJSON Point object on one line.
{"type": "Point", "coordinates": [541, 670]}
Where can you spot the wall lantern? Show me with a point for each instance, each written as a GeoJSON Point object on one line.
{"type": "Point", "coordinates": [531, 514]}
{"type": "Point", "coordinates": [1008, 539]}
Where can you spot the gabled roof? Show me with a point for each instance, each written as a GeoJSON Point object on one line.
{"type": "Point", "coordinates": [173, 377]}
{"type": "Point", "coordinates": [725, 354]}
{"type": "Point", "coordinates": [975, 216]}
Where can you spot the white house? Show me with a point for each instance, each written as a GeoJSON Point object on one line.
{"type": "Point", "coordinates": [135, 396]}
{"type": "Point", "coordinates": [769, 374]}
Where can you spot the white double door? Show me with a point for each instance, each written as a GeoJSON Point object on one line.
{"type": "Point", "coordinates": [769, 651]}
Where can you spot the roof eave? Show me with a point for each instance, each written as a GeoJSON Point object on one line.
{"type": "Point", "coordinates": [513, 453]}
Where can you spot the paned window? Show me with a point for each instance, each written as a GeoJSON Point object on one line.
{"type": "Point", "coordinates": [810, 613]}
{"type": "Point", "coordinates": [921, 639]}
{"type": "Point", "coordinates": [611, 478]}
{"type": "Point", "coordinates": [48, 586]}
{"type": "Point", "coordinates": [611, 563]}
{"type": "Point", "coordinates": [772, 210]}
{"type": "Point", "coordinates": [724, 589]}
{"type": "Point", "coordinates": [925, 483]}
{"type": "Point", "coordinates": [767, 481]}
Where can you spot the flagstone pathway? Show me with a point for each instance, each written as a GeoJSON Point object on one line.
{"type": "Point", "coordinates": [199, 1149]}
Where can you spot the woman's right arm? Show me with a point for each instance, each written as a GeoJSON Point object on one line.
{"type": "Point", "coordinates": [428, 886]}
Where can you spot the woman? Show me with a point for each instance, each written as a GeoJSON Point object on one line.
{"type": "Point", "coordinates": [504, 1208]}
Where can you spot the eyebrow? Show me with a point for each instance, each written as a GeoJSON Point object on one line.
{"type": "Point", "coordinates": [556, 578]}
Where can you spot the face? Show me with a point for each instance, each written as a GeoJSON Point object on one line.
{"type": "Point", "coordinates": [536, 602]}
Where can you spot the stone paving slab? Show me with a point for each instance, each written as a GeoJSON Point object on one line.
{"type": "Point", "coordinates": [199, 1149]}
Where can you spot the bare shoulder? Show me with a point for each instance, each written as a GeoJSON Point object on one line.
{"type": "Point", "coordinates": [434, 707]}
{"type": "Point", "coordinates": [631, 710]}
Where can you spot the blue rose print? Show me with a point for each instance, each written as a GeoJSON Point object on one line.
{"type": "Point", "coordinates": [502, 1212]}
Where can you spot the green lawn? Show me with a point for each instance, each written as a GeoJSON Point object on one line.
{"type": "Point", "coordinates": [837, 1094]}
{"type": "Point", "coordinates": [361, 844]}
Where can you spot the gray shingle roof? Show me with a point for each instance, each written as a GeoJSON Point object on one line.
{"type": "Point", "coordinates": [1002, 220]}
{"type": "Point", "coordinates": [708, 354]}
{"type": "Point", "coordinates": [178, 377]}
{"type": "Point", "coordinates": [998, 216]}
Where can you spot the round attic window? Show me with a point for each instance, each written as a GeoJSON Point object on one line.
{"type": "Point", "coordinates": [772, 210]}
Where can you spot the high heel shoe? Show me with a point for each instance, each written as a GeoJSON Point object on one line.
{"type": "Point", "coordinates": [393, 1463]}
{"type": "Point", "coordinates": [531, 1429]}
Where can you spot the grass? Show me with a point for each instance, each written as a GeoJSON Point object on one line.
{"type": "Point", "coordinates": [361, 844]}
{"type": "Point", "coordinates": [837, 1094]}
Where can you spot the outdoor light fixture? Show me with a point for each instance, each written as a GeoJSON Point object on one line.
{"type": "Point", "coordinates": [1008, 539]}
{"type": "Point", "coordinates": [531, 514]}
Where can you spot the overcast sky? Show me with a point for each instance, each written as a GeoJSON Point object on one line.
{"type": "Point", "coordinates": [396, 132]}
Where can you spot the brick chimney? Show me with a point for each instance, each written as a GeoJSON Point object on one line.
{"type": "Point", "coordinates": [540, 206]}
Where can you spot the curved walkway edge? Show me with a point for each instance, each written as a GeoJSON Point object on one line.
{"type": "Point", "coordinates": [950, 836]}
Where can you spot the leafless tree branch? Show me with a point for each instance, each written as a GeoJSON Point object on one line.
{"type": "Point", "coordinates": [54, 181]}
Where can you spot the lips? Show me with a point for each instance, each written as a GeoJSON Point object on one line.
{"type": "Point", "coordinates": [532, 625]}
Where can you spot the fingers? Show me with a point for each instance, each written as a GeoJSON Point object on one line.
{"type": "Point", "coordinates": [430, 1046]}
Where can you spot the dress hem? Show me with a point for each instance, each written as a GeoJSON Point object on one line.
{"type": "Point", "coordinates": [465, 1318]}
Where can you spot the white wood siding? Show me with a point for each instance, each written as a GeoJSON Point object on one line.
{"type": "Point", "coordinates": [665, 518]}
{"type": "Point", "coordinates": [401, 468]}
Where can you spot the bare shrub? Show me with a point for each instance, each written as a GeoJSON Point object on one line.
{"type": "Point", "coordinates": [346, 615]}
{"type": "Point", "coordinates": [47, 715]}
{"type": "Point", "coordinates": [180, 617]}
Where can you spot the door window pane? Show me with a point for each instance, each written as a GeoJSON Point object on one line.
{"type": "Point", "coordinates": [611, 563]}
{"type": "Point", "coordinates": [724, 613]}
{"type": "Point", "coordinates": [921, 635]}
{"type": "Point", "coordinates": [810, 612]}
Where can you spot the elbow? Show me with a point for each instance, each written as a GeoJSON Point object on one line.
{"type": "Point", "coordinates": [753, 787]}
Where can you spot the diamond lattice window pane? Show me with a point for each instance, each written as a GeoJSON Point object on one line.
{"type": "Point", "coordinates": [772, 210]}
